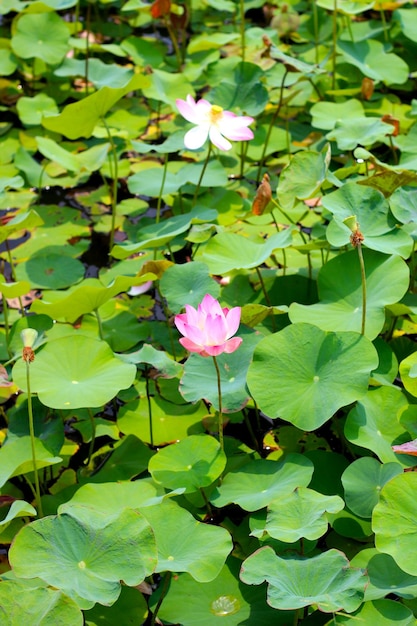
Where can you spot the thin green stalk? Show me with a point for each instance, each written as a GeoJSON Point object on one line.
{"type": "Point", "coordinates": [200, 180]}
{"type": "Point", "coordinates": [206, 502]}
{"type": "Point", "coordinates": [174, 41]}
{"type": "Point", "coordinates": [148, 398]}
{"type": "Point", "coordinates": [242, 30]}
{"type": "Point", "coordinates": [164, 175]}
{"type": "Point", "coordinates": [384, 23]}
{"type": "Point", "coordinates": [87, 47]}
{"type": "Point", "coordinates": [115, 173]}
{"type": "Point", "coordinates": [250, 429]}
{"type": "Point", "coordinates": [13, 273]}
{"type": "Point", "coordinates": [164, 591]}
{"type": "Point", "coordinates": [93, 436]}
{"type": "Point", "coordinates": [243, 151]}
{"type": "Point", "coordinates": [266, 296]}
{"type": "Point", "coordinates": [363, 279]}
{"type": "Point", "coordinates": [334, 44]}
{"type": "Point", "coordinates": [32, 441]}
{"type": "Point", "coordinates": [219, 391]}
{"type": "Point", "coordinates": [316, 30]}
{"type": "Point", "coordinates": [296, 617]}
{"type": "Point", "coordinates": [271, 125]}
{"type": "Point", "coordinates": [99, 324]}
{"type": "Point", "coordinates": [6, 325]}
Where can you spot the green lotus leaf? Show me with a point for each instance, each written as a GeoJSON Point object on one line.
{"type": "Point", "coordinates": [371, 211]}
{"type": "Point", "coordinates": [8, 61]}
{"type": "Point", "coordinates": [373, 61]}
{"type": "Point", "coordinates": [381, 612]}
{"type": "Point", "coordinates": [385, 577]}
{"type": "Point", "coordinates": [374, 424]}
{"type": "Point", "coordinates": [359, 131]}
{"type": "Point", "coordinates": [75, 372]}
{"type": "Point", "coordinates": [301, 513]}
{"type": "Point", "coordinates": [314, 370]}
{"type": "Point", "coordinates": [99, 73]}
{"type": "Point", "coordinates": [393, 521]}
{"type": "Point", "coordinates": [85, 298]}
{"type": "Point", "coordinates": [340, 293]}
{"type": "Point", "coordinates": [111, 497]}
{"type": "Point", "coordinates": [129, 608]}
{"type": "Point", "coordinates": [192, 463]}
{"type": "Point", "coordinates": [295, 64]}
{"type": "Point", "coordinates": [408, 22]}
{"type": "Point", "coordinates": [199, 380]}
{"type": "Point", "coordinates": [16, 458]}
{"type": "Point", "coordinates": [408, 373]}
{"type": "Point", "coordinates": [41, 35]}
{"type": "Point", "coordinates": [90, 160]}
{"type": "Point", "coordinates": [259, 482]}
{"type": "Point", "coordinates": [153, 182]}
{"type": "Point", "coordinates": [31, 110]}
{"type": "Point", "coordinates": [79, 119]}
{"type": "Point", "coordinates": [224, 601]}
{"type": "Point", "coordinates": [167, 87]}
{"type": "Point", "coordinates": [167, 367]}
{"type": "Point", "coordinates": [363, 481]}
{"type": "Point", "coordinates": [158, 234]}
{"type": "Point", "coordinates": [242, 89]}
{"type": "Point", "coordinates": [13, 290]}
{"type": "Point", "coordinates": [41, 605]}
{"type": "Point", "coordinates": [326, 580]}
{"type": "Point", "coordinates": [403, 204]}
{"type": "Point", "coordinates": [86, 560]}
{"type": "Point", "coordinates": [302, 177]}
{"type": "Point", "coordinates": [50, 271]}
{"type": "Point", "coordinates": [228, 251]}
{"type": "Point", "coordinates": [186, 545]}
{"type": "Point", "coordinates": [22, 221]}
{"type": "Point", "coordinates": [161, 421]}
{"type": "Point", "coordinates": [18, 508]}
{"type": "Point", "coordinates": [326, 115]}
{"type": "Point", "coordinates": [187, 283]}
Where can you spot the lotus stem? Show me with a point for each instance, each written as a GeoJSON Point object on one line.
{"type": "Point", "coordinates": [32, 439]}
{"type": "Point", "coordinates": [165, 586]}
{"type": "Point", "coordinates": [200, 180]}
{"type": "Point", "coordinates": [242, 30]}
{"type": "Point", "coordinates": [93, 436]}
{"type": "Point", "coordinates": [158, 206]}
{"type": "Point", "coordinates": [219, 391]}
{"type": "Point", "coordinates": [148, 398]}
{"type": "Point", "coordinates": [114, 170]}
{"type": "Point", "coordinates": [271, 126]}
{"type": "Point", "coordinates": [363, 279]}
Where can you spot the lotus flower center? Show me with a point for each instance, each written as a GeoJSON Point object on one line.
{"type": "Point", "coordinates": [216, 113]}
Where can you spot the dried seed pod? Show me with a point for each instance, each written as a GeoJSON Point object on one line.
{"type": "Point", "coordinates": [263, 196]}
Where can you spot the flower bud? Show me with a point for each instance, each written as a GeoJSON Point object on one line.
{"type": "Point", "coordinates": [29, 336]}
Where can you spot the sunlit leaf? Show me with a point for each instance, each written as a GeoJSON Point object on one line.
{"type": "Point", "coordinates": [314, 370]}
{"type": "Point", "coordinates": [325, 580]}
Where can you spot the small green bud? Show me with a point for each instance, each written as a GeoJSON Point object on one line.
{"type": "Point", "coordinates": [29, 336]}
{"type": "Point", "coordinates": [351, 223]}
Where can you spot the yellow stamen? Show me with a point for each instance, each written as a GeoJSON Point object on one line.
{"type": "Point", "coordinates": [215, 113]}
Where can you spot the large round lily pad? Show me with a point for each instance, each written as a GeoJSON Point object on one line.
{"type": "Point", "coordinates": [86, 560]}
{"type": "Point", "coordinates": [74, 372]}
{"type": "Point", "coordinates": [326, 580]}
{"type": "Point", "coordinates": [309, 373]}
{"type": "Point", "coordinates": [193, 463]}
{"type": "Point", "coordinates": [394, 521]}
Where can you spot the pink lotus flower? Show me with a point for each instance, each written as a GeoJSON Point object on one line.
{"type": "Point", "coordinates": [208, 330]}
{"type": "Point", "coordinates": [406, 448]}
{"type": "Point", "coordinates": [214, 123]}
